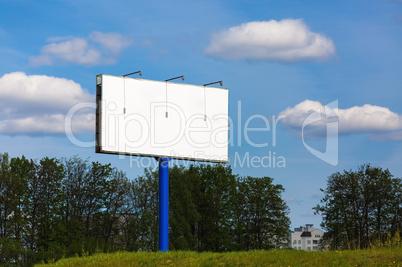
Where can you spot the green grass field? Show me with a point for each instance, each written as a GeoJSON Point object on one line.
{"type": "Point", "coordinates": [371, 257]}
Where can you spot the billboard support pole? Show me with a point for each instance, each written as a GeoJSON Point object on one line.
{"type": "Point", "coordinates": [164, 193]}
{"type": "Point", "coordinates": [164, 204]}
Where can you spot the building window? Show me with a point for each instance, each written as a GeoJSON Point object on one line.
{"type": "Point", "coordinates": [309, 242]}
{"type": "Point", "coordinates": [315, 248]}
{"type": "Point", "coordinates": [299, 242]}
{"type": "Point", "coordinates": [317, 236]}
{"type": "Point", "coordinates": [294, 241]}
{"type": "Point", "coordinates": [308, 248]}
{"type": "Point", "coordinates": [295, 247]}
{"type": "Point", "coordinates": [315, 242]}
{"type": "Point", "coordinates": [299, 248]}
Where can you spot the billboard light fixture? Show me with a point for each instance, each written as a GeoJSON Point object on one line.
{"type": "Point", "coordinates": [220, 82]}
{"type": "Point", "coordinates": [178, 77]}
{"type": "Point", "coordinates": [124, 92]}
{"type": "Point", "coordinates": [128, 74]}
{"type": "Point", "coordinates": [205, 98]}
{"type": "Point", "coordinates": [182, 77]}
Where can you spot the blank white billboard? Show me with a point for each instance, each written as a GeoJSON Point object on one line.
{"type": "Point", "coordinates": [161, 119]}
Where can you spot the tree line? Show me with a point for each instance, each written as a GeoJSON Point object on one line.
{"type": "Point", "coordinates": [52, 208]}
{"type": "Point", "coordinates": [361, 208]}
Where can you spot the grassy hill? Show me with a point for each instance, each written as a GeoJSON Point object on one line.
{"type": "Point", "coordinates": [372, 257]}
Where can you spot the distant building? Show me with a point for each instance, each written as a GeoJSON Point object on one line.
{"type": "Point", "coordinates": [305, 238]}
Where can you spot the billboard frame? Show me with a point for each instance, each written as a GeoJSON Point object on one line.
{"type": "Point", "coordinates": [99, 148]}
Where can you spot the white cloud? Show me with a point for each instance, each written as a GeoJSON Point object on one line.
{"type": "Point", "coordinates": [293, 201]}
{"type": "Point", "coordinates": [285, 40]}
{"type": "Point", "coordinates": [98, 49]}
{"type": "Point", "coordinates": [112, 41]}
{"type": "Point", "coordinates": [378, 121]}
{"type": "Point", "coordinates": [37, 104]}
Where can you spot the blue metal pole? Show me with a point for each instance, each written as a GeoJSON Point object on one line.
{"type": "Point", "coordinates": [164, 204]}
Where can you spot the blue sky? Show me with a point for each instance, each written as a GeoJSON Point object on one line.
{"type": "Point", "coordinates": [276, 57]}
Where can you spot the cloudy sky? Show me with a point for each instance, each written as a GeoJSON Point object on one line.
{"type": "Point", "coordinates": [326, 75]}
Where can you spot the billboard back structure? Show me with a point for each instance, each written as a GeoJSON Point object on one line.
{"type": "Point", "coordinates": [161, 119]}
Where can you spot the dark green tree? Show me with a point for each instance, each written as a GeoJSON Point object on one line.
{"type": "Point", "coordinates": [51, 208]}
{"type": "Point", "coordinates": [183, 216]}
{"type": "Point", "coordinates": [140, 231]}
{"type": "Point", "coordinates": [264, 223]}
{"type": "Point", "coordinates": [48, 201]}
{"type": "Point", "coordinates": [13, 200]}
{"type": "Point", "coordinates": [214, 204]}
{"type": "Point", "coordinates": [77, 172]}
{"type": "Point", "coordinates": [360, 207]}
{"type": "Point", "coordinates": [114, 200]}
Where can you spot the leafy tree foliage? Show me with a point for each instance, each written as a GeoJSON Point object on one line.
{"type": "Point", "coordinates": [263, 213]}
{"type": "Point", "coordinates": [54, 208]}
{"type": "Point", "coordinates": [361, 207]}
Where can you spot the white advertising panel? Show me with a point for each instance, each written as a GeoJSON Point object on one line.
{"type": "Point", "coordinates": [161, 119]}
